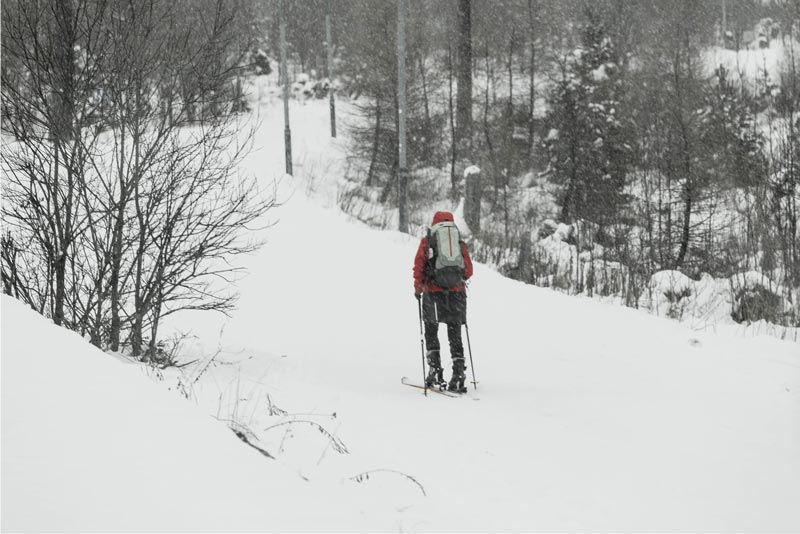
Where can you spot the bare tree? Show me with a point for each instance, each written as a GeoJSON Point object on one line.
{"type": "Point", "coordinates": [122, 172]}
{"type": "Point", "coordinates": [52, 52]}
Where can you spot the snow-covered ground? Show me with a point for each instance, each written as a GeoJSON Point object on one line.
{"type": "Point", "coordinates": [751, 65]}
{"type": "Point", "coordinates": [89, 443]}
{"type": "Point", "coordinates": [586, 417]}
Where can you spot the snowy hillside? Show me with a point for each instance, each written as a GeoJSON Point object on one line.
{"type": "Point", "coordinates": [91, 444]}
{"type": "Point", "coordinates": [587, 416]}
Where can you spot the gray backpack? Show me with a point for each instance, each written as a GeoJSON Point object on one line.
{"type": "Point", "coordinates": [445, 260]}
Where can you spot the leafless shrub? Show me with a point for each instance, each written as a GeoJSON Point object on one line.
{"type": "Point", "coordinates": [123, 200]}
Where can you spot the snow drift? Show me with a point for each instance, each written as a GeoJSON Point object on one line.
{"type": "Point", "coordinates": [92, 444]}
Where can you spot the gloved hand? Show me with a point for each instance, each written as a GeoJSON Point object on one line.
{"type": "Point", "coordinates": [417, 296]}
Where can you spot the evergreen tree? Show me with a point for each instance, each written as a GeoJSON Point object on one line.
{"type": "Point", "coordinates": [729, 135]}
{"type": "Point", "coordinates": [588, 142]}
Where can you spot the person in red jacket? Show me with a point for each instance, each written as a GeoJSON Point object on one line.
{"type": "Point", "coordinates": [442, 304]}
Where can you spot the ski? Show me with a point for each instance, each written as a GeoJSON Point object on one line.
{"type": "Point", "coordinates": [407, 382]}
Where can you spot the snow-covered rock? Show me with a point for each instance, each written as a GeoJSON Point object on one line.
{"type": "Point", "coordinates": [472, 169]}
{"type": "Point", "coordinates": [671, 291]}
{"type": "Point", "coordinates": [671, 282]}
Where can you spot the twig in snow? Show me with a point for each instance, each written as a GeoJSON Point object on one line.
{"type": "Point", "coordinates": [246, 435]}
{"type": "Point", "coordinates": [273, 408]}
{"type": "Point", "coordinates": [337, 444]}
{"type": "Point", "coordinates": [205, 367]}
{"type": "Point", "coordinates": [325, 450]}
{"type": "Point", "coordinates": [331, 415]}
{"type": "Point", "coordinates": [362, 477]}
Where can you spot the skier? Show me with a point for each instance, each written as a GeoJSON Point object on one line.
{"type": "Point", "coordinates": [441, 266]}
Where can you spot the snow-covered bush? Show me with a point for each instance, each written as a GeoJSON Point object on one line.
{"type": "Point", "coordinates": [756, 303]}
{"type": "Point", "coordinates": [756, 297]}
{"type": "Point", "coordinates": [670, 293]}
{"type": "Point", "coordinates": [260, 62]}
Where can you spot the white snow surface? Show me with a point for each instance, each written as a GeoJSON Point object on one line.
{"type": "Point", "coordinates": [751, 64]}
{"type": "Point", "coordinates": [92, 444]}
{"type": "Point", "coordinates": [670, 281]}
{"type": "Point", "coordinates": [587, 416]}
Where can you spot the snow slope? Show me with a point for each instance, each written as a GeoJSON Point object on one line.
{"type": "Point", "coordinates": [91, 444]}
{"type": "Point", "coordinates": [590, 416]}
{"type": "Point", "coordinates": [587, 416]}
{"type": "Point", "coordinates": [751, 64]}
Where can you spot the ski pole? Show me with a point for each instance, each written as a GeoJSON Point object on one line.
{"type": "Point", "coordinates": [422, 345]}
{"type": "Point", "coordinates": [469, 346]}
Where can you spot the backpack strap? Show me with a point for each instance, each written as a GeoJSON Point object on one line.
{"type": "Point", "coordinates": [430, 255]}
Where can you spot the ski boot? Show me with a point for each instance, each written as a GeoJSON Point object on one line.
{"type": "Point", "coordinates": [435, 378]}
{"type": "Point", "coordinates": [456, 384]}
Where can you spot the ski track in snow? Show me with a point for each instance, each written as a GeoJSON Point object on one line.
{"type": "Point", "coordinates": [587, 416]}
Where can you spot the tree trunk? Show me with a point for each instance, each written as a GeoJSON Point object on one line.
{"type": "Point", "coordinates": [427, 146]}
{"type": "Point", "coordinates": [509, 148]}
{"type": "Point", "coordinates": [506, 241]}
{"type": "Point", "coordinates": [464, 96]}
{"type": "Point", "coordinates": [116, 249]}
{"type": "Point", "coordinates": [487, 133]}
{"type": "Point", "coordinates": [60, 276]}
{"type": "Point", "coordinates": [402, 111]}
{"type": "Point", "coordinates": [63, 132]}
{"type": "Point", "coordinates": [114, 282]}
{"type": "Point", "coordinates": [451, 110]}
{"type": "Point", "coordinates": [569, 207]}
{"type": "Point", "coordinates": [687, 215]}
{"type": "Point", "coordinates": [136, 332]}
{"type": "Point", "coordinates": [152, 348]}
{"type": "Point", "coordinates": [144, 222]}
{"type": "Point", "coordinates": [375, 144]}
{"type": "Point", "coordinates": [472, 202]}
{"type": "Point", "coordinates": [532, 68]}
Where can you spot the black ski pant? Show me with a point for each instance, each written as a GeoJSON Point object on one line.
{"type": "Point", "coordinates": [453, 335]}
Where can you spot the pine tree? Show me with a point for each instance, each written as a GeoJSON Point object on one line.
{"type": "Point", "coordinates": [588, 143]}
{"type": "Point", "coordinates": [728, 133]}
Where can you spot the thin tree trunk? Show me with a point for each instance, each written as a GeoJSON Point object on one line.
{"type": "Point", "coordinates": [451, 110]}
{"type": "Point", "coordinates": [60, 280]}
{"type": "Point", "coordinates": [532, 6]}
{"type": "Point", "coordinates": [139, 299]}
{"type": "Point", "coordinates": [58, 255]}
{"type": "Point", "coordinates": [509, 152]}
{"type": "Point", "coordinates": [486, 130]}
{"type": "Point", "coordinates": [116, 249]}
{"type": "Point", "coordinates": [64, 112]}
{"type": "Point", "coordinates": [375, 144]}
{"type": "Point", "coordinates": [685, 230]}
{"type": "Point", "coordinates": [402, 111]}
{"type": "Point", "coordinates": [153, 345]}
{"type": "Point", "coordinates": [464, 96]}
{"type": "Point", "coordinates": [688, 189]}
{"type": "Point", "coordinates": [428, 125]}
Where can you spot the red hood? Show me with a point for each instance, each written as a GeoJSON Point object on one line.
{"type": "Point", "coordinates": [442, 216]}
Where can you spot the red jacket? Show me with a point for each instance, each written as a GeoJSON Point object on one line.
{"type": "Point", "coordinates": [421, 284]}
